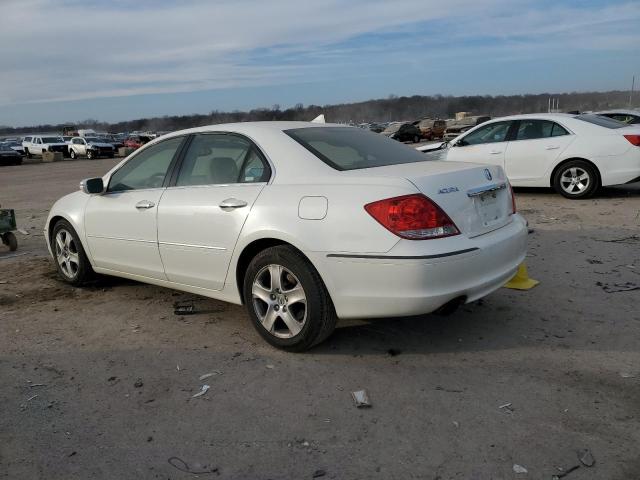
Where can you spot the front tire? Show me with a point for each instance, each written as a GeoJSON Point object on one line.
{"type": "Point", "coordinates": [27, 153]}
{"type": "Point", "coordinates": [71, 261]}
{"type": "Point", "coordinates": [90, 154]}
{"type": "Point", "coordinates": [287, 301]}
{"type": "Point", "coordinates": [576, 179]}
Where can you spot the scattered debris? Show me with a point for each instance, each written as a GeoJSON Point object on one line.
{"type": "Point", "coordinates": [22, 231]}
{"type": "Point", "coordinates": [519, 468]}
{"type": "Point", "coordinates": [37, 385]}
{"type": "Point", "coordinates": [618, 287]}
{"type": "Point", "coordinates": [202, 391]}
{"type": "Point", "coordinates": [319, 473]}
{"type": "Point", "coordinates": [138, 383]}
{"type": "Point", "coordinates": [24, 405]}
{"type": "Point", "coordinates": [627, 375]}
{"type": "Point", "coordinates": [630, 239]}
{"type": "Point", "coordinates": [178, 367]}
{"type": "Point", "coordinates": [361, 399]}
{"type": "Point", "coordinates": [72, 454]}
{"type": "Point", "coordinates": [183, 308]}
{"type": "Point", "coordinates": [586, 457]}
{"type": "Point", "coordinates": [210, 374]}
{"type": "Point", "coordinates": [564, 472]}
{"type": "Point", "coordinates": [456, 424]}
{"type": "Point", "coordinates": [507, 408]}
{"type": "Point", "coordinates": [593, 261]}
{"type": "Point", "coordinates": [271, 367]}
{"type": "Point", "coordinates": [183, 466]}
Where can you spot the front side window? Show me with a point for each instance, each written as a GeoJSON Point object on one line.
{"type": "Point", "coordinates": [494, 132]}
{"type": "Point", "coordinates": [348, 148]}
{"type": "Point", "coordinates": [147, 169]}
{"type": "Point", "coordinates": [218, 159]}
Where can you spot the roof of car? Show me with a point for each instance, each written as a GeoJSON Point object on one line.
{"type": "Point", "coordinates": [621, 111]}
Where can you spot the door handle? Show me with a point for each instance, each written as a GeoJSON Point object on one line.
{"type": "Point", "coordinates": [231, 204]}
{"type": "Point", "coordinates": [495, 152]}
{"type": "Point", "coordinates": [144, 205]}
{"type": "Point", "coordinates": [551, 147]}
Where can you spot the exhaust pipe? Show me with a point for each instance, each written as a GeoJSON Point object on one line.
{"type": "Point", "coordinates": [451, 306]}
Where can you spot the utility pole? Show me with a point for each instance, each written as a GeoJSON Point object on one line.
{"type": "Point", "coordinates": [633, 84]}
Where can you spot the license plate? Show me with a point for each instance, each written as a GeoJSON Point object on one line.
{"type": "Point", "coordinates": [489, 207]}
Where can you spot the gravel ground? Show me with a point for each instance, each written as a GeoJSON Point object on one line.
{"type": "Point", "coordinates": [98, 382]}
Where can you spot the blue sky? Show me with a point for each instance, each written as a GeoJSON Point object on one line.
{"type": "Point", "coordinates": [69, 60]}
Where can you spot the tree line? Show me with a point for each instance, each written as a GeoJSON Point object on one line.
{"type": "Point", "coordinates": [392, 108]}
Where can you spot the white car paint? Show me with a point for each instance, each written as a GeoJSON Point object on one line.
{"type": "Point", "coordinates": [531, 163]}
{"type": "Point", "coordinates": [187, 242]}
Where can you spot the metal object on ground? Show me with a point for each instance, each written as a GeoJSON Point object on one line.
{"type": "Point", "coordinates": [361, 399]}
{"type": "Point", "coordinates": [7, 226]}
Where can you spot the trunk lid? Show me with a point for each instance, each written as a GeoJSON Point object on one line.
{"type": "Point", "coordinates": [476, 197]}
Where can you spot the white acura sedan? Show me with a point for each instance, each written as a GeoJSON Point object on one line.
{"type": "Point", "coordinates": [574, 154]}
{"type": "Point", "coordinates": [303, 223]}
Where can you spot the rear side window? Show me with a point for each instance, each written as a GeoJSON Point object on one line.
{"type": "Point", "coordinates": [217, 159]}
{"type": "Point", "coordinates": [534, 129]}
{"type": "Point", "coordinates": [349, 148]}
{"type": "Point", "coordinates": [600, 121]}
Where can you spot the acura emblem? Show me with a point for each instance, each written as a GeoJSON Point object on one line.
{"type": "Point", "coordinates": [487, 174]}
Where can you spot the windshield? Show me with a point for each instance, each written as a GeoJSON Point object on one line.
{"type": "Point", "coordinates": [94, 140]}
{"type": "Point", "coordinates": [600, 121]}
{"type": "Point", "coordinates": [392, 128]}
{"type": "Point", "coordinates": [5, 147]}
{"type": "Point", "coordinates": [52, 140]}
{"type": "Point", "coordinates": [350, 148]}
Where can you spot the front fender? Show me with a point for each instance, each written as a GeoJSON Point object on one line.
{"type": "Point", "coordinates": [71, 208]}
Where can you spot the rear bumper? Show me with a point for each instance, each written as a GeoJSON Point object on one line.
{"type": "Point", "coordinates": [365, 286]}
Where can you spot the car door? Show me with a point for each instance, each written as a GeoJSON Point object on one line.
{"type": "Point", "coordinates": [202, 212]}
{"type": "Point", "coordinates": [533, 150]}
{"type": "Point", "coordinates": [78, 146]}
{"type": "Point", "coordinates": [121, 224]}
{"type": "Point", "coordinates": [486, 144]}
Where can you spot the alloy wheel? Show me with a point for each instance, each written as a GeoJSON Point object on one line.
{"type": "Point", "coordinates": [279, 301]}
{"type": "Point", "coordinates": [67, 254]}
{"type": "Point", "coordinates": [574, 180]}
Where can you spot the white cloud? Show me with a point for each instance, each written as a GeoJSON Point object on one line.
{"type": "Point", "coordinates": [69, 50]}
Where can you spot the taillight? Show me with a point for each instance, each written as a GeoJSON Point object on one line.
{"type": "Point", "coordinates": [634, 139]}
{"type": "Point", "coordinates": [414, 217]}
{"type": "Point", "coordinates": [513, 200]}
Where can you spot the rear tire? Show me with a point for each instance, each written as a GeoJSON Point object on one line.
{"type": "Point", "coordinates": [71, 261]}
{"type": "Point", "coordinates": [297, 297]}
{"type": "Point", "coordinates": [10, 240]}
{"type": "Point", "coordinates": [72, 154]}
{"type": "Point", "coordinates": [576, 179]}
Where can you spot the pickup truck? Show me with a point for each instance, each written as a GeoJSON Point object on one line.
{"type": "Point", "coordinates": [37, 145]}
{"type": "Point", "coordinates": [90, 147]}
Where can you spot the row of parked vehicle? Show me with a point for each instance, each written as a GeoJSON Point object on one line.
{"type": "Point", "coordinates": [435, 129]}
{"type": "Point", "coordinates": [88, 145]}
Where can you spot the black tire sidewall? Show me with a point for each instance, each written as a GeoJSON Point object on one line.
{"type": "Point", "coordinates": [593, 179]}
{"type": "Point", "coordinates": [10, 240]}
{"type": "Point", "coordinates": [85, 272]}
{"type": "Point", "coordinates": [317, 297]}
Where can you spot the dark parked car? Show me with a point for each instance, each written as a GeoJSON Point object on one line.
{"type": "Point", "coordinates": [8, 156]}
{"type": "Point", "coordinates": [430, 128]}
{"type": "Point", "coordinates": [403, 132]}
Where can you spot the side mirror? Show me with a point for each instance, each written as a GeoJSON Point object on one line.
{"type": "Point", "coordinates": [92, 185]}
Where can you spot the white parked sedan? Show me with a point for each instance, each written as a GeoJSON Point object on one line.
{"type": "Point", "coordinates": [574, 154]}
{"type": "Point", "coordinates": [301, 222]}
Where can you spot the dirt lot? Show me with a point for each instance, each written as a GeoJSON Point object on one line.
{"type": "Point", "coordinates": [98, 382]}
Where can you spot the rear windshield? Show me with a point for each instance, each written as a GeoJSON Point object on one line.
{"type": "Point", "coordinates": [601, 121]}
{"type": "Point", "coordinates": [348, 148]}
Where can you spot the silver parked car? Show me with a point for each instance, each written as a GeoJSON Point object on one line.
{"type": "Point", "coordinates": [90, 147]}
